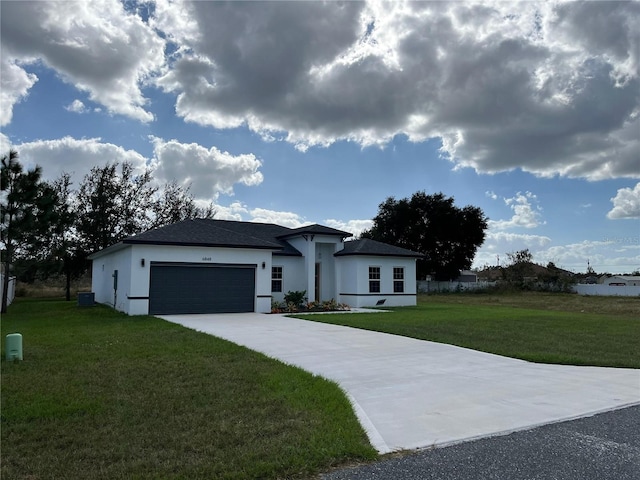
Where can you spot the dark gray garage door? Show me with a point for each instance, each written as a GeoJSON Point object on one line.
{"type": "Point", "coordinates": [201, 288]}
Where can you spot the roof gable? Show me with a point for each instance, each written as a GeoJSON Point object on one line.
{"type": "Point", "coordinates": [367, 246]}
{"type": "Point", "coordinates": [315, 229]}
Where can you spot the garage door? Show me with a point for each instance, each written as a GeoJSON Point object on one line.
{"type": "Point", "coordinates": [201, 288]}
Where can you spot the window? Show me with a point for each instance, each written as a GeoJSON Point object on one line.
{"type": "Point", "coordinates": [276, 279]}
{"type": "Point", "coordinates": [374, 279]}
{"type": "Point", "coordinates": [398, 279]}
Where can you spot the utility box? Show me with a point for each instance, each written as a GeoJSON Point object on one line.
{"type": "Point", "coordinates": [86, 299]}
{"type": "Point", "coordinates": [13, 347]}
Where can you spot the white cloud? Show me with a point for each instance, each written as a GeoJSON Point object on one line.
{"type": "Point", "coordinates": [355, 227]}
{"type": "Point", "coordinates": [96, 46]}
{"type": "Point", "coordinates": [235, 211]}
{"type": "Point", "coordinates": [208, 171]}
{"type": "Point", "coordinates": [75, 157]}
{"type": "Point", "coordinates": [286, 219]}
{"type": "Point", "coordinates": [492, 195]}
{"type": "Point", "coordinates": [547, 87]}
{"type": "Point", "coordinates": [602, 256]}
{"type": "Point", "coordinates": [626, 203]}
{"type": "Point", "coordinates": [5, 144]}
{"type": "Point", "coordinates": [525, 214]}
{"type": "Point", "coordinates": [76, 106]}
{"type": "Point", "coordinates": [14, 86]}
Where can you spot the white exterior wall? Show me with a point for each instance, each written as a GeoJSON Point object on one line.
{"type": "Point", "coordinates": [318, 248]}
{"type": "Point", "coordinates": [134, 278]}
{"type": "Point", "coordinates": [293, 275]}
{"type": "Point", "coordinates": [328, 277]}
{"type": "Point", "coordinates": [102, 279]}
{"type": "Point", "coordinates": [308, 250]}
{"type": "Point", "coordinates": [353, 283]}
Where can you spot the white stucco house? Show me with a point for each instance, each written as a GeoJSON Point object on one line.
{"type": "Point", "coordinates": [220, 266]}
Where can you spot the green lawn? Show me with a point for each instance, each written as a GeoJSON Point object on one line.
{"type": "Point", "coordinates": [103, 395]}
{"type": "Point", "coordinates": [553, 328]}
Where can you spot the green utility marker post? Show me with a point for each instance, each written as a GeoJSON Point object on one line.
{"type": "Point", "coordinates": [13, 347]}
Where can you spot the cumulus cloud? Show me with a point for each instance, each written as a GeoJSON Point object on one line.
{"type": "Point", "coordinates": [602, 256]}
{"type": "Point", "coordinates": [498, 244]}
{"type": "Point", "coordinates": [14, 86]}
{"type": "Point", "coordinates": [286, 219]}
{"type": "Point", "coordinates": [76, 106]}
{"type": "Point", "coordinates": [96, 46]}
{"type": "Point", "coordinates": [355, 227]}
{"type": "Point", "coordinates": [525, 214]}
{"type": "Point", "coordinates": [626, 203]}
{"type": "Point", "coordinates": [5, 144]}
{"type": "Point", "coordinates": [551, 88]}
{"type": "Point", "coordinates": [208, 171]}
{"type": "Point", "coordinates": [75, 156]}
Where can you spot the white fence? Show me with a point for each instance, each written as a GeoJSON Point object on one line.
{"type": "Point", "coordinates": [425, 286]}
{"type": "Point", "coordinates": [613, 290]}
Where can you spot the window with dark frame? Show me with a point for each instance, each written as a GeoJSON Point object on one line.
{"type": "Point", "coordinates": [398, 279]}
{"type": "Point", "coordinates": [374, 279]}
{"type": "Point", "coordinates": [276, 279]}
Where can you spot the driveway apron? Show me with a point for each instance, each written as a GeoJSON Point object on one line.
{"type": "Point", "coordinates": [410, 393]}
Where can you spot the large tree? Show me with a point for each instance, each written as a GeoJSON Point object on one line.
{"type": "Point", "coordinates": [447, 235]}
{"type": "Point", "coordinates": [113, 203]}
{"type": "Point", "coordinates": [28, 211]}
{"type": "Point", "coordinates": [64, 252]}
{"type": "Point", "coordinates": [176, 203]}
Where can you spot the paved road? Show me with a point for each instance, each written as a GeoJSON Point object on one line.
{"type": "Point", "coordinates": [601, 447]}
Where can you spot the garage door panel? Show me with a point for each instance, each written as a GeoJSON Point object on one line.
{"type": "Point", "coordinates": [201, 289]}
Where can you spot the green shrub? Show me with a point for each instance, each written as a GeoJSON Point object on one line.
{"type": "Point", "coordinates": [297, 298]}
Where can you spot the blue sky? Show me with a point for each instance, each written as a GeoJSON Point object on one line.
{"type": "Point", "coordinates": [303, 112]}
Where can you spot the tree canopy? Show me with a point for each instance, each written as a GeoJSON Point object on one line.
{"type": "Point", "coordinates": [50, 228]}
{"type": "Point", "coordinates": [447, 235]}
{"type": "Point", "coordinates": [28, 214]}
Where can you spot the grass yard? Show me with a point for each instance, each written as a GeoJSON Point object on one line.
{"type": "Point", "coordinates": [539, 327]}
{"type": "Point", "coordinates": [103, 395]}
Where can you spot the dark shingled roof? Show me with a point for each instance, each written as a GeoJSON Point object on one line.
{"type": "Point", "coordinates": [315, 229]}
{"type": "Point", "coordinates": [231, 234]}
{"type": "Point", "coordinates": [217, 233]}
{"type": "Point", "coordinates": [366, 246]}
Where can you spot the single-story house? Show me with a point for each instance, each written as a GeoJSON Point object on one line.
{"type": "Point", "coordinates": [622, 280]}
{"type": "Point", "coordinates": [220, 266]}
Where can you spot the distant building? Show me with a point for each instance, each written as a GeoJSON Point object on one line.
{"type": "Point", "coordinates": [467, 276]}
{"type": "Point", "coordinates": [623, 280]}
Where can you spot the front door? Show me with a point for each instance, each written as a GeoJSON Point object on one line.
{"type": "Point", "coordinates": [317, 289]}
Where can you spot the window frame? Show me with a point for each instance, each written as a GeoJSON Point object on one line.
{"type": "Point", "coordinates": [398, 279]}
{"type": "Point", "coordinates": [275, 280]}
{"type": "Point", "coordinates": [375, 277]}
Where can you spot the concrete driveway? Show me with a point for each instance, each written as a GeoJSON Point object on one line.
{"type": "Point", "coordinates": [412, 394]}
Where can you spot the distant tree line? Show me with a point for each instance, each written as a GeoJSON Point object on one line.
{"type": "Point", "coordinates": [520, 273]}
{"type": "Point", "coordinates": [50, 228]}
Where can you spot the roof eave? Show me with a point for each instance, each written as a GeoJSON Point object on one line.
{"type": "Point", "coordinates": [200, 244]}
